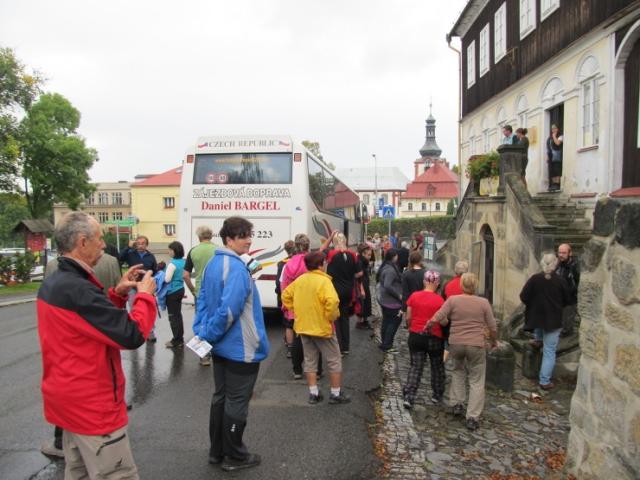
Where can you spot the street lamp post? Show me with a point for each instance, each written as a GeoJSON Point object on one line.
{"type": "Point", "coordinates": [375, 193]}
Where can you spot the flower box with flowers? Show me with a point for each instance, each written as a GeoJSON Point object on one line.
{"type": "Point", "coordinates": [484, 171]}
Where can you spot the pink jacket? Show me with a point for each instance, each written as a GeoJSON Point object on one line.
{"type": "Point", "coordinates": [292, 270]}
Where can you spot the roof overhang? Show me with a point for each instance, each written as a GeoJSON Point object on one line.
{"type": "Point", "coordinates": [467, 18]}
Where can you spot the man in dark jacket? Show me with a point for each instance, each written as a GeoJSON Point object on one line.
{"type": "Point", "coordinates": [569, 269]}
{"type": "Point", "coordinates": [82, 331]}
{"type": "Point", "coordinates": [403, 256]}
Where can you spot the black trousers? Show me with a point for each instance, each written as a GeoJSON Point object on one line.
{"type": "Point", "coordinates": [342, 329]}
{"type": "Point", "coordinates": [174, 307]}
{"type": "Point", "coordinates": [419, 347]}
{"type": "Point", "coordinates": [234, 382]}
{"type": "Point", "coordinates": [297, 356]}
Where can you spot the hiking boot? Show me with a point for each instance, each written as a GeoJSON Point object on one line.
{"type": "Point", "coordinates": [205, 361]}
{"type": "Point", "coordinates": [174, 344]}
{"type": "Point", "coordinates": [339, 399]}
{"type": "Point", "coordinates": [315, 399]}
{"type": "Point", "coordinates": [548, 386]}
{"type": "Point", "coordinates": [436, 399]}
{"type": "Point", "coordinates": [458, 410]}
{"type": "Point", "coordinates": [231, 464]}
{"type": "Point", "coordinates": [472, 424]}
{"type": "Point", "coordinates": [216, 459]}
{"type": "Point", "coordinates": [50, 450]}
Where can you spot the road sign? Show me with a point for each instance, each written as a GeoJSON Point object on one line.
{"type": "Point", "coordinates": [380, 202]}
{"type": "Point", "coordinates": [127, 222]}
{"type": "Point", "coordinates": [388, 211]}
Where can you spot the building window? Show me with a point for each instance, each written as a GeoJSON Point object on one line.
{"type": "Point", "coordinates": [500, 33]}
{"type": "Point", "coordinates": [169, 202]}
{"type": "Point", "coordinates": [116, 198]}
{"type": "Point", "coordinates": [590, 105]}
{"type": "Point", "coordinates": [90, 199]}
{"type": "Point", "coordinates": [547, 7]}
{"type": "Point", "coordinates": [484, 50]}
{"type": "Point", "coordinates": [169, 229]}
{"type": "Point", "coordinates": [486, 141]}
{"type": "Point", "coordinates": [471, 64]}
{"type": "Point", "coordinates": [93, 214]}
{"type": "Point", "coordinates": [527, 17]}
{"type": "Point", "coordinates": [424, 207]}
{"type": "Point", "coordinates": [437, 207]}
{"type": "Point", "coordinates": [116, 215]}
{"type": "Point", "coordinates": [103, 198]}
{"type": "Point", "coordinates": [365, 199]}
{"type": "Point", "coordinates": [103, 217]}
{"type": "Point", "coordinates": [410, 206]}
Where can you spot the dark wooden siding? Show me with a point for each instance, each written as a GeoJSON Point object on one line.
{"type": "Point", "coordinates": [565, 25]}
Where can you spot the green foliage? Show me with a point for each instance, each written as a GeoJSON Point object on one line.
{"type": "Point", "coordinates": [56, 159]}
{"type": "Point", "coordinates": [23, 265]}
{"type": "Point", "coordinates": [456, 169]}
{"type": "Point", "coordinates": [110, 238]}
{"type": "Point", "coordinates": [452, 206]}
{"type": "Point", "coordinates": [483, 166]}
{"type": "Point", "coordinates": [13, 209]}
{"type": "Point", "coordinates": [18, 90]}
{"type": "Point", "coordinates": [444, 226]}
{"type": "Point", "coordinates": [6, 269]}
{"type": "Point", "coordinates": [314, 148]}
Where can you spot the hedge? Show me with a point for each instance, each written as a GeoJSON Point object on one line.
{"type": "Point", "coordinates": [444, 226]}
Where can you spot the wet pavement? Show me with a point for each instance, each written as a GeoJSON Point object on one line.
{"type": "Point", "coordinates": [519, 437]}
{"type": "Point", "coordinates": [168, 425]}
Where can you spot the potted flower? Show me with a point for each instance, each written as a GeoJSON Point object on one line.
{"type": "Point", "coordinates": [484, 171]}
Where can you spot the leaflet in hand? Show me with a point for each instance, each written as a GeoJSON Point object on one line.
{"type": "Point", "coordinates": [199, 346]}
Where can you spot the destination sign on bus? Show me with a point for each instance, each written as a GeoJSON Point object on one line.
{"type": "Point", "coordinates": [248, 144]}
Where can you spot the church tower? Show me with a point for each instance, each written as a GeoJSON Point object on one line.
{"type": "Point", "coordinates": [430, 151]}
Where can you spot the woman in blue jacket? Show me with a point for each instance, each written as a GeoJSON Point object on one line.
{"type": "Point", "coordinates": [175, 292]}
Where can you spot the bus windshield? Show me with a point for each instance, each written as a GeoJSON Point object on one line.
{"type": "Point", "coordinates": [242, 168]}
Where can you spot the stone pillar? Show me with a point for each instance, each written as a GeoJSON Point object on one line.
{"type": "Point", "coordinates": [605, 409]}
{"type": "Point", "coordinates": [513, 159]}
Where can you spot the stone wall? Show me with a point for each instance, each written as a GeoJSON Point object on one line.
{"type": "Point", "coordinates": [605, 409]}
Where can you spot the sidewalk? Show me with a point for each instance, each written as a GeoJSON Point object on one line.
{"type": "Point", "coordinates": [517, 436]}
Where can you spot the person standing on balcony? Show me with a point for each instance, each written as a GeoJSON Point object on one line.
{"type": "Point", "coordinates": [509, 138]}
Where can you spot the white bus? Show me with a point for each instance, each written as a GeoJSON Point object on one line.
{"type": "Point", "coordinates": [273, 182]}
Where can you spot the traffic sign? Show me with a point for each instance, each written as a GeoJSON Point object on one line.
{"type": "Point", "coordinates": [127, 222]}
{"type": "Point", "coordinates": [380, 202]}
{"type": "Point", "coordinates": [388, 211]}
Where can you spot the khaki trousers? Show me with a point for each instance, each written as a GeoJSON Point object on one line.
{"type": "Point", "coordinates": [98, 457]}
{"type": "Point", "coordinates": [468, 362]}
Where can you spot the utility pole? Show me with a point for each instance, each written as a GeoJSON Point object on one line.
{"type": "Point", "coordinates": [375, 193]}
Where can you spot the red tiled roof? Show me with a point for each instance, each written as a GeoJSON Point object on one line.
{"type": "Point", "coordinates": [169, 178]}
{"type": "Point", "coordinates": [437, 182]}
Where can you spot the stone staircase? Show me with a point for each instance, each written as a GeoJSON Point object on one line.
{"type": "Point", "coordinates": [569, 218]}
{"type": "Point", "coordinates": [571, 226]}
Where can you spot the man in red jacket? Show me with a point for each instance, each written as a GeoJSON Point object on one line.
{"type": "Point", "coordinates": [82, 331]}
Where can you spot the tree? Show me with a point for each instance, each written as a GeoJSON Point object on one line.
{"type": "Point", "coordinates": [55, 159]}
{"type": "Point", "coordinates": [456, 169]}
{"type": "Point", "coordinates": [314, 148]}
{"type": "Point", "coordinates": [18, 90]}
{"type": "Point", "coordinates": [13, 209]}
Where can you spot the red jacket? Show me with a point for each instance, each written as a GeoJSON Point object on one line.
{"type": "Point", "coordinates": [81, 334]}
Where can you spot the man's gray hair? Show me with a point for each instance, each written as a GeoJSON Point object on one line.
{"type": "Point", "coordinates": [549, 263]}
{"type": "Point", "coordinates": [204, 233]}
{"type": "Point", "coordinates": [461, 267]}
{"type": "Point", "coordinates": [404, 244]}
{"type": "Point", "coordinates": [69, 229]}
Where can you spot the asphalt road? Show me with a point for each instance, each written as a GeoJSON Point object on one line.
{"type": "Point", "coordinates": [168, 424]}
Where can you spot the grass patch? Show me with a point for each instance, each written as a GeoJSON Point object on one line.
{"type": "Point", "coordinates": [30, 287]}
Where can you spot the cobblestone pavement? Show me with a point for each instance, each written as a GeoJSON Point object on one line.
{"type": "Point", "coordinates": [518, 438]}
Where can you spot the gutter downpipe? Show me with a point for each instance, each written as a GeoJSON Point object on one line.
{"type": "Point", "coordinates": [448, 37]}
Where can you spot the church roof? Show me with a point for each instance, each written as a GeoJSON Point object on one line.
{"type": "Point", "coordinates": [437, 182]}
{"type": "Point", "coordinates": [364, 178]}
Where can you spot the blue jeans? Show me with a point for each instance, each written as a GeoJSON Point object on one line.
{"type": "Point", "coordinates": [390, 323]}
{"type": "Point", "coordinates": [549, 339]}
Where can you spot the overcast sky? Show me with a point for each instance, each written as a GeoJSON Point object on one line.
{"type": "Point", "coordinates": [149, 77]}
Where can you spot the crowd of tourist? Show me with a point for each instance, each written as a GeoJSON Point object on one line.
{"type": "Point", "coordinates": [319, 291]}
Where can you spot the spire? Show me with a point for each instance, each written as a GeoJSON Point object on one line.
{"type": "Point", "coordinates": [430, 147]}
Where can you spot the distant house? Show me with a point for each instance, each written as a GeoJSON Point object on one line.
{"type": "Point", "coordinates": [390, 182]}
{"type": "Point", "coordinates": [154, 200]}
{"type": "Point", "coordinates": [430, 192]}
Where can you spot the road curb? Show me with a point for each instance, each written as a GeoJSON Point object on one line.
{"type": "Point", "coordinates": [10, 303]}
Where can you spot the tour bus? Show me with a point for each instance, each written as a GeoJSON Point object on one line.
{"type": "Point", "coordinates": [276, 184]}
